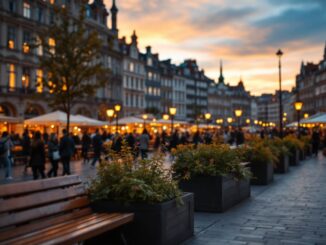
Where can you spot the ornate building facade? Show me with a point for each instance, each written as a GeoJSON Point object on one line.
{"type": "Point", "coordinates": [23, 20]}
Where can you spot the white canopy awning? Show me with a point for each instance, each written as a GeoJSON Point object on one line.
{"type": "Point", "coordinates": [90, 121]}
{"type": "Point", "coordinates": [130, 120]}
{"type": "Point", "coordinates": [54, 118]}
{"type": "Point", "coordinates": [9, 119]}
{"type": "Point", "coordinates": [319, 119]}
{"type": "Point", "coordinates": [162, 121]}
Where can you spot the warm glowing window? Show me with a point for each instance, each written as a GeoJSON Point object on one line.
{"type": "Point", "coordinates": [52, 45]}
{"type": "Point", "coordinates": [26, 41]}
{"type": "Point", "coordinates": [12, 77]}
{"type": "Point", "coordinates": [27, 10]}
{"type": "Point", "coordinates": [52, 1]}
{"type": "Point", "coordinates": [39, 81]}
{"type": "Point", "coordinates": [39, 47]}
{"type": "Point", "coordinates": [26, 78]}
{"type": "Point", "coordinates": [11, 37]}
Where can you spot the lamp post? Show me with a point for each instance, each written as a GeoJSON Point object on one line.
{"type": "Point", "coordinates": [173, 112]}
{"type": "Point", "coordinates": [110, 114]}
{"type": "Point", "coordinates": [238, 114]}
{"type": "Point", "coordinates": [229, 120]}
{"type": "Point", "coordinates": [298, 106]}
{"type": "Point", "coordinates": [117, 108]}
{"type": "Point", "coordinates": [279, 54]}
{"type": "Point", "coordinates": [207, 117]}
{"type": "Point", "coordinates": [145, 116]}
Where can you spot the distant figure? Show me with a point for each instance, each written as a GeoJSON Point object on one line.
{"type": "Point", "coordinates": [54, 155]}
{"type": "Point", "coordinates": [196, 138]}
{"type": "Point", "coordinates": [315, 141]}
{"type": "Point", "coordinates": [174, 141]}
{"type": "Point", "coordinates": [131, 142]}
{"type": "Point", "coordinates": [207, 138]}
{"type": "Point", "coordinates": [86, 144]}
{"type": "Point", "coordinates": [67, 149]}
{"type": "Point", "coordinates": [37, 156]}
{"type": "Point", "coordinates": [239, 138]}
{"type": "Point", "coordinates": [143, 144]}
{"type": "Point", "coordinates": [97, 147]}
{"type": "Point", "coordinates": [5, 147]}
{"type": "Point", "coordinates": [157, 141]}
{"type": "Point", "coordinates": [117, 143]}
{"type": "Point", "coordinates": [45, 137]}
{"type": "Point", "coordinates": [26, 143]}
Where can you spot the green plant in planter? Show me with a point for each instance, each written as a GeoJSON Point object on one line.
{"type": "Point", "coordinates": [256, 153]}
{"type": "Point", "coordinates": [306, 141]}
{"type": "Point", "coordinates": [293, 143]}
{"type": "Point", "coordinates": [123, 180]}
{"type": "Point", "coordinates": [207, 160]}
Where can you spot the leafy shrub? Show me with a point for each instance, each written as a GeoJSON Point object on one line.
{"type": "Point", "coordinates": [306, 142]}
{"type": "Point", "coordinates": [257, 153]}
{"type": "Point", "coordinates": [207, 160]}
{"type": "Point", "coordinates": [123, 180]}
{"type": "Point", "coordinates": [293, 143]}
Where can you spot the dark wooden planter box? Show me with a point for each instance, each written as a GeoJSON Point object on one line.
{"type": "Point", "coordinates": [283, 165]}
{"type": "Point", "coordinates": [161, 224]}
{"type": "Point", "coordinates": [262, 173]}
{"type": "Point", "coordinates": [302, 155]}
{"type": "Point", "coordinates": [216, 193]}
{"type": "Point", "coordinates": [295, 158]}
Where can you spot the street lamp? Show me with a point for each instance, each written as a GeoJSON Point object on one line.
{"type": "Point", "coordinates": [238, 114]}
{"type": "Point", "coordinates": [248, 121]}
{"type": "Point", "coordinates": [279, 55]}
{"type": "Point", "coordinates": [229, 120]}
{"type": "Point", "coordinates": [145, 116]}
{"type": "Point", "coordinates": [298, 106]}
{"type": "Point", "coordinates": [173, 112]}
{"type": "Point", "coordinates": [166, 117]}
{"type": "Point", "coordinates": [117, 108]}
{"type": "Point", "coordinates": [305, 116]}
{"type": "Point", "coordinates": [207, 117]}
{"type": "Point", "coordinates": [110, 114]}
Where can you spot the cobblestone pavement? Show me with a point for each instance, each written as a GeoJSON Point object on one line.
{"type": "Point", "coordinates": [292, 210]}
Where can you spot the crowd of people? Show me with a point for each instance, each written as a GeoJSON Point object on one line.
{"type": "Point", "coordinates": [40, 147]}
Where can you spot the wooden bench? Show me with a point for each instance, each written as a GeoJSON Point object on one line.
{"type": "Point", "coordinates": [52, 211]}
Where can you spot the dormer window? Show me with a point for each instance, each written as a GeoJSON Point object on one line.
{"type": "Point", "coordinates": [149, 61]}
{"type": "Point", "coordinates": [27, 10]}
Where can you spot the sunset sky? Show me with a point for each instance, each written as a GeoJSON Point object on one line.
{"type": "Point", "coordinates": [245, 35]}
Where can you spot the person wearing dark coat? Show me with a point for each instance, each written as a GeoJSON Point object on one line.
{"type": "Point", "coordinates": [37, 156]}
{"type": "Point", "coordinates": [196, 138]}
{"type": "Point", "coordinates": [86, 144]}
{"type": "Point", "coordinates": [117, 143]}
{"type": "Point", "coordinates": [97, 147]}
{"type": "Point", "coordinates": [315, 141]}
{"type": "Point", "coordinates": [239, 137]}
{"type": "Point", "coordinates": [174, 141]}
{"type": "Point", "coordinates": [26, 143]}
{"type": "Point", "coordinates": [67, 149]}
{"type": "Point", "coordinates": [53, 153]}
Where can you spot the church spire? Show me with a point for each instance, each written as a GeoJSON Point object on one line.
{"type": "Point", "coordinates": [114, 13]}
{"type": "Point", "coordinates": [221, 78]}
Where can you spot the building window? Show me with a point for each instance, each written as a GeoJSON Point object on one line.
{"type": "Point", "coordinates": [131, 67]}
{"type": "Point", "coordinates": [27, 10]}
{"type": "Point", "coordinates": [149, 61]}
{"type": "Point", "coordinates": [26, 77]}
{"type": "Point", "coordinates": [40, 14]}
{"type": "Point", "coordinates": [39, 81]}
{"type": "Point", "coordinates": [39, 48]}
{"type": "Point", "coordinates": [11, 37]}
{"type": "Point", "coordinates": [52, 45]}
{"type": "Point", "coordinates": [26, 41]}
{"type": "Point", "coordinates": [52, 1]}
{"type": "Point", "coordinates": [11, 77]}
{"type": "Point", "coordinates": [12, 6]}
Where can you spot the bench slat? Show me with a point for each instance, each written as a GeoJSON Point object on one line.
{"type": "Point", "coordinates": [30, 238]}
{"type": "Point", "coordinates": [38, 185]}
{"type": "Point", "coordinates": [28, 215]}
{"type": "Point", "coordinates": [21, 230]}
{"type": "Point", "coordinates": [84, 231]}
{"type": "Point", "coordinates": [40, 198]}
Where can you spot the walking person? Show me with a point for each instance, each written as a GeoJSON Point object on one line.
{"type": "Point", "coordinates": [54, 155]}
{"type": "Point", "coordinates": [97, 147]}
{"type": "Point", "coordinates": [26, 144]}
{"type": "Point", "coordinates": [315, 141]}
{"type": "Point", "coordinates": [86, 144]}
{"type": "Point", "coordinates": [37, 156]}
{"type": "Point", "coordinates": [143, 144]}
{"type": "Point", "coordinates": [5, 147]}
{"type": "Point", "coordinates": [67, 149]}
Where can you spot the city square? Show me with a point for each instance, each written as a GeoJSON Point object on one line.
{"type": "Point", "coordinates": [215, 138]}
